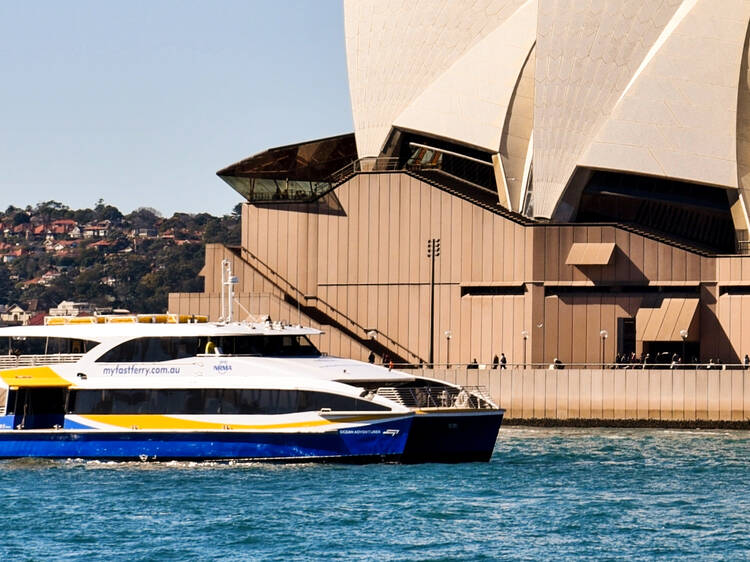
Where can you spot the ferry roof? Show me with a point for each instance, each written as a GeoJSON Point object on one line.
{"type": "Point", "coordinates": [105, 332]}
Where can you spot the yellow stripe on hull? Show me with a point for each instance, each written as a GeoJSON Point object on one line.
{"type": "Point", "coordinates": [26, 377]}
{"type": "Point", "coordinates": [154, 421]}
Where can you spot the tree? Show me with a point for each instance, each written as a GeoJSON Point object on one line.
{"type": "Point", "coordinates": [178, 221]}
{"type": "Point", "coordinates": [83, 216]}
{"type": "Point", "coordinates": [8, 293]}
{"type": "Point", "coordinates": [49, 210]}
{"type": "Point", "coordinates": [21, 218]}
{"type": "Point", "coordinates": [143, 278]}
{"type": "Point", "coordinates": [107, 212]}
{"type": "Point", "coordinates": [213, 232]}
{"type": "Point", "coordinates": [143, 217]}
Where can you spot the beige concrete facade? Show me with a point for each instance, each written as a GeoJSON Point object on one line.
{"type": "Point", "coordinates": [367, 269]}
{"type": "Point", "coordinates": [601, 395]}
{"type": "Point", "coordinates": [494, 126]}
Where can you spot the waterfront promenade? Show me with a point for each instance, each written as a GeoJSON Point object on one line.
{"type": "Point", "coordinates": [614, 396]}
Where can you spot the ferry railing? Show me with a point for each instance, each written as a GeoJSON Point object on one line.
{"type": "Point", "coordinates": [466, 397]}
{"type": "Point", "coordinates": [14, 361]}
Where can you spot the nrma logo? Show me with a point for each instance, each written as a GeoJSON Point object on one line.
{"type": "Point", "coordinates": [222, 367]}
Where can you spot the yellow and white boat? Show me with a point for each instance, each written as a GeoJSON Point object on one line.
{"type": "Point", "coordinates": [161, 387]}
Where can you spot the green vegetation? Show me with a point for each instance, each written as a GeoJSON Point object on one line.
{"type": "Point", "coordinates": [53, 253]}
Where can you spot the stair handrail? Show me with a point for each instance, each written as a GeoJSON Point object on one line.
{"type": "Point", "coordinates": [333, 312]}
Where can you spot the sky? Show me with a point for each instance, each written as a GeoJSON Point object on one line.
{"type": "Point", "coordinates": [139, 102]}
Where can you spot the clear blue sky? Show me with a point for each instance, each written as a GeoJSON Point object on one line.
{"type": "Point", "coordinates": [141, 102]}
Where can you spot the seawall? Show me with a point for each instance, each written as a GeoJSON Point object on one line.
{"type": "Point", "coordinates": [614, 397]}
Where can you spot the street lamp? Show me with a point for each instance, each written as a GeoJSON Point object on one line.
{"type": "Point", "coordinates": [228, 281]}
{"type": "Point", "coordinates": [448, 336]}
{"type": "Point", "coordinates": [525, 336]}
{"type": "Point", "coordinates": [683, 335]}
{"type": "Point", "coordinates": [604, 335]}
{"type": "Point", "coordinates": [433, 251]}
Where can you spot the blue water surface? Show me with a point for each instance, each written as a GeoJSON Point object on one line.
{"type": "Point", "coordinates": [547, 493]}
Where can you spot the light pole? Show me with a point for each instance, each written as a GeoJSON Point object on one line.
{"type": "Point", "coordinates": [448, 336]}
{"type": "Point", "coordinates": [525, 336]}
{"type": "Point", "coordinates": [540, 325]}
{"type": "Point", "coordinates": [433, 251]}
{"type": "Point", "coordinates": [228, 281]}
{"type": "Point", "coordinates": [604, 335]}
{"type": "Point", "coordinates": [684, 335]}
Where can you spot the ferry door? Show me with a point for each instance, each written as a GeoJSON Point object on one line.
{"type": "Point", "coordinates": [39, 408]}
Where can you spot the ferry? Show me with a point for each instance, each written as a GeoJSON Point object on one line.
{"type": "Point", "coordinates": [165, 387]}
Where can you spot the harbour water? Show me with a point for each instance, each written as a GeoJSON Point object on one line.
{"type": "Point", "coordinates": [547, 493]}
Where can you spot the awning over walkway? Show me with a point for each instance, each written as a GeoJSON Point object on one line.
{"type": "Point", "coordinates": [590, 253]}
{"type": "Point", "coordinates": [666, 322]}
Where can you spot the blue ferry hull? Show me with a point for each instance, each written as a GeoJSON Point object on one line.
{"type": "Point", "coordinates": [453, 437]}
{"type": "Point", "coordinates": [381, 441]}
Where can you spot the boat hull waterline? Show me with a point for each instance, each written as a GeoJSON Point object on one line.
{"type": "Point", "coordinates": [454, 438]}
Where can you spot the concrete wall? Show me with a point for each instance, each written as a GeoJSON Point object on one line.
{"type": "Point", "coordinates": [368, 263]}
{"type": "Point", "coordinates": [613, 394]}
{"type": "Point", "coordinates": [371, 262]}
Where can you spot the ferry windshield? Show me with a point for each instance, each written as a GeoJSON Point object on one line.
{"type": "Point", "coordinates": [155, 349]}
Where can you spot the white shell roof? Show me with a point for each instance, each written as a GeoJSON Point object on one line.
{"type": "Point", "coordinates": [643, 87]}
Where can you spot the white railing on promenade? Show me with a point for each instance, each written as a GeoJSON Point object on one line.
{"type": "Point", "coordinates": [562, 366]}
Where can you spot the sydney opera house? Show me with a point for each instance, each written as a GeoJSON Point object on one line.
{"type": "Point", "coordinates": [573, 175]}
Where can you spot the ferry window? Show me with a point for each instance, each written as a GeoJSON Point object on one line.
{"type": "Point", "coordinates": [292, 346]}
{"type": "Point", "coordinates": [123, 353]}
{"type": "Point", "coordinates": [273, 346]}
{"type": "Point", "coordinates": [40, 407]}
{"type": "Point", "coordinates": [11, 404]}
{"type": "Point", "coordinates": [154, 350]}
{"type": "Point", "coordinates": [151, 350]}
{"type": "Point", "coordinates": [44, 346]}
{"type": "Point", "coordinates": [211, 401]}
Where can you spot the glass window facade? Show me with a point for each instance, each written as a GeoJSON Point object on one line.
{"type": "Point", "coordinates": [297, 173]}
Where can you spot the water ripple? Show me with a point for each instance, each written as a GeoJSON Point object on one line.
{"type": "Point", "coordinates": [548, 493]}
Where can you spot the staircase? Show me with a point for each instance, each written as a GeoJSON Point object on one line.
{"type": "Point", "coordinates": [323, 313]}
